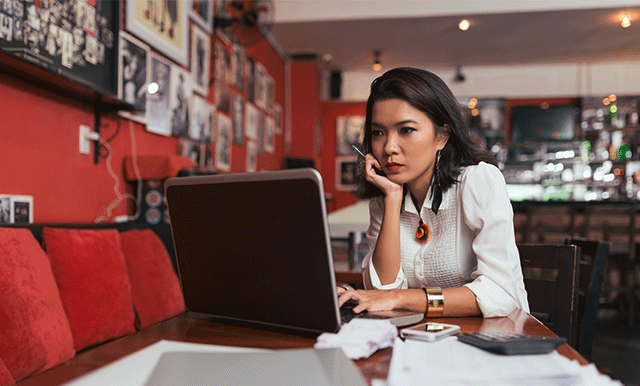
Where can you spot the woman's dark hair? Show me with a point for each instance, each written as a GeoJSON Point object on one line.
{"type": "Point", "coordinates": [428, 93]}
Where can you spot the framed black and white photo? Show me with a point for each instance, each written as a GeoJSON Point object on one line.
{"type": "Point", "coordinates": [180, 91]}
{"type": "Point", "coordinates": [251, 121]}
{"type": "Point", "coordinates": [349, 131]}
{"type": "Point", "coordinates": [191, 149]}
{"type": "Point", "coordinates": [22, 209]}
{"type": "Point", "coordinates": [221, 11]}
{"type": "Point", "coordinates": [201, 12]}
{"type": "Point", "coordinates": [237, 115]}
{"type": "Point", "coordinates": [261, 85]}
{"type": "Point", "coordinates": [237, 65]}
{"type": "Point", "coordinates": [200, 59]}
{"type": "Point", "coordinates": [252, 156]}
{"type": "Point", "coordinates": [250, 79]}
{"type": "Point", "coordinates": [269, 132]}
{"type": "Point", "coordinates": [223, 143]}
{"type": "Point", "coordinates": [158, 113]}
{"type": "Point", "coordinates": [162, 24]}
{"type": "Point", "coordinates": [221, 84]}
{"type": "Point", "coordinates": [346, 173]}
{"type": "Point", "coordinates": [201, 123]}
{"type": "Point", "coordinates": [133, 73]}
{"type": "Point", "coordinates": [277, 114]}
{"type": "Point", "coordinates": [6, 214]}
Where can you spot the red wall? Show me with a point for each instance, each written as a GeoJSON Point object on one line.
{"type": "Point", "coordinates": [330, 111]}
{"type": "Point", "coordinates": [39, 148]}
{"type": "Point", "coordinates": [306, 132]}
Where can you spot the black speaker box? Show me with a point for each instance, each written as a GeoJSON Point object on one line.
{"type": "Point", "coordinates": [335, 90]}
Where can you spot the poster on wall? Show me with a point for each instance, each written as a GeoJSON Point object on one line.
{"type": "Point", "coordinates": [349, 131]}
{"type": "Point", "coordinates": [162, 24]}
{"type": "Point", "coordinates": [261, 86]}
{"type": "Point", "coordinates": [201, 13]}
{"type": "Point", "coordinates": [202, 113]}
{"type": "Point", "coordinates": [250, 79]}
{"type": "Point", "coordinates": [221, 10]}
{"type": "Point", "coordinates": [277, 112]}
{"type": "Point", "coordinates": [191, 149]}
{"type": "Point", "coordinates": [180, 91]}
{"type": "Point", "coordinates": [132, 76]}
{"type": "Point", "coordinates": [223, 145]}
{"type": "Point", "coordinates": [200, 58]}
{"type": "Point", "coordinates": [158, 114]}
{"type": "Point", "coordinates": [76, 40]}
{"type": "Point", "coordinates": [346, 173]}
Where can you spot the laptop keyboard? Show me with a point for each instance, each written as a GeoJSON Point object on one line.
{"type": "Point", "coordinates": [346, 314]}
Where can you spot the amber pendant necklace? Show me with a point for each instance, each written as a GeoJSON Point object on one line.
{"type": "Point", "coordinates": [423, 231]}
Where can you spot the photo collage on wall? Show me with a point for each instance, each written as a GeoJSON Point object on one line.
{"type": "Point", "coordinates": [190, 79]}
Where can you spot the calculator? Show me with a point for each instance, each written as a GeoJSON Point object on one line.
{"type": "Point", "coordinates": [511, 344]}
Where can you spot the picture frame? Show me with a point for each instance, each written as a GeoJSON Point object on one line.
{"type": "Point", "coordinates": [165, 29]}
{"type": "Point", "coordinates": [200, 59]}
{"type": "Point", "coordinates": [6, 213]}
{"type": "Point", "coordinates": [252, 156]}
{"type": "Point", "coordinates": [251, 121]}
{"type": "Point", "coordinates": [133, 76]}
{"type": "Point", "coordinates": [349, 131]}
{"type": "Point", "coordinates": [22, 209]}
{"type": "Point", "coordinates": [180, 92]}
{"type": "Point", "coordinates": [346, 173]}
{"type": "Point", "coordinates": [158, 112]}
{"type": "Point", "coordinates": [237, 115]}
{"type": "Point", "coordinates": [201, 12]}
{"type": "Point", "coordinates": [223, 143]}
{"type": "Point", "coordinates": [201, 122]}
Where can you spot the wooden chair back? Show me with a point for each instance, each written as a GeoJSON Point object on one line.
{"type": "Point", "coordinates": [551, 274]}
{"type": "Point", "coordinates": [593, 261]}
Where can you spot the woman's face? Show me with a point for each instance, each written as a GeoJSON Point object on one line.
{"type": "Point", "coordinates": [405, 143]}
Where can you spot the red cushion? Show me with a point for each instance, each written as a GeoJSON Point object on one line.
{"type": "Point", "coordinates": [94, 285]}
{"type": "Point", "coordinates": [35, 331]}
{"type": "Point", "coordinates": [5, 376]}
{"type": "Point", "coordinates": [154, 285]}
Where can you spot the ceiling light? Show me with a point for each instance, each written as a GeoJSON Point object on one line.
{"type": "Point", "coordinates": [464, 24]}
{"type": "Point", "coordinates": [376, 61]}
{"type": "Point", "coordinates": [626, 22]}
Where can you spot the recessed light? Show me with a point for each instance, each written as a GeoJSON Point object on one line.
{"type": "Point", "coordinates": [464, 24]}
{"type": "Point", "coordinates": [626, 22]}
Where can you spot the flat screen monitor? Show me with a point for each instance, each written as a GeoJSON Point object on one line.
{"type": "Point", "coordinates": [533, 123]}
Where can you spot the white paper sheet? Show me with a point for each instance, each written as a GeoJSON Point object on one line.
{"type": "Point", "coordinates": [451, 362]}
{"type": "Point", "coordinates": [134, 369]}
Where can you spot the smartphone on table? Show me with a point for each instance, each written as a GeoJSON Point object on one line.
{"type": "Point", "coordinates": [430, 331]}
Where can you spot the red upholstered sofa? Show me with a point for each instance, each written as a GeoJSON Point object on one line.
{"type": "Point", "coordinates": [65, 289]}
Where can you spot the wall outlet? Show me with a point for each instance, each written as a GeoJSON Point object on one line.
{"type": "Point", "coordinates": [85, 143]}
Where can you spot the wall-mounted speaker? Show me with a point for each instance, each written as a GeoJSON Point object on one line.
{"type": "Point", "coordinates": [335, 82]}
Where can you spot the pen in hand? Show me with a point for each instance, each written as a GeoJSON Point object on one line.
{"type": "Point", "coordinates": [358, 150]}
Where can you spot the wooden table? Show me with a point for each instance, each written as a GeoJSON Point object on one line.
{"type": "Point", "coordinates": [200, 329]}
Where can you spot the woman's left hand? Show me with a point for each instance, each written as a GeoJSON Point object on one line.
{"type": "Point", "coordinates": [372, 300]}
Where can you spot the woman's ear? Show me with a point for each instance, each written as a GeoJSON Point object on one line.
{"type": "Point", "coordinates": [443, 136]}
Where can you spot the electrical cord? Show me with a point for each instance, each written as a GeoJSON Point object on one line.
{"type": "Point", "coordinates": [106, 213]}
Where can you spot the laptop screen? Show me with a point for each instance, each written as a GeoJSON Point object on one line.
{"type": "Point", "coordinates": [255, 247]}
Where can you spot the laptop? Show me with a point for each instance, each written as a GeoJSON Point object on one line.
{"type": "Point", "coordinates": [255, 248]}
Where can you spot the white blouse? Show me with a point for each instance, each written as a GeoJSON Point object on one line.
{"type": "Point", "coordinates": [472, 243]}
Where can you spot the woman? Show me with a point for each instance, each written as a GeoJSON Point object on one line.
{"type": "Point", "coordinates": [456, 256]}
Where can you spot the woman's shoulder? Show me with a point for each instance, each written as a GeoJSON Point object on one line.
{"type": "Point", "coordinates": [482, 173]}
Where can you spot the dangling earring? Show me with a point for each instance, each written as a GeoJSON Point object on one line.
{"type": "Point", "coordinates": [436, 190]}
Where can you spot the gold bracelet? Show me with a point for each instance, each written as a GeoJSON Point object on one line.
{"type": "Point", "coordinates": [435, 302]}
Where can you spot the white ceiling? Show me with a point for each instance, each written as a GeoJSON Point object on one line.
{"type": "Point", "coordinates": [425, 34]}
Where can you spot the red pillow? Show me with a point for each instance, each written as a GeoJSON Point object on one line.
{"type": "Point", "coordinates": [154, 285]}
{"type": "Point", "coordinates": [5, 377]}
{"type": "Point", "coordinates": [94, 285]}
{"type": "Point", "coordinates": [35, 330]}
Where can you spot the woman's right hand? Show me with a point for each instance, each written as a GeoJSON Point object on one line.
{"type": "Point", "coordinates": [374, 175]}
